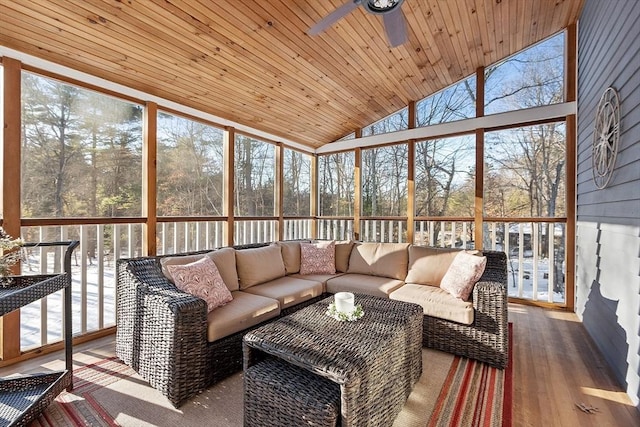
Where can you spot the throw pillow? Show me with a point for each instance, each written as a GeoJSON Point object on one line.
{"type": "Point", "coordinates": [463, 273]}
{"type": "Point", "coordinates": [202, 279]}
{"type": "Point", "coordinates": [318, 258]}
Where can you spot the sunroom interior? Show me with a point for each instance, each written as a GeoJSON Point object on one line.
{"type": "Point", "coordinates": [150, 128]}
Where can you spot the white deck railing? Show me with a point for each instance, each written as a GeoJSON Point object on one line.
{"type": "Point", "coordinates": [536, 268]}
{"type": "Point", "coordinates": [93, 278]}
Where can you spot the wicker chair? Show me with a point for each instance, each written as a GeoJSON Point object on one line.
{"type": "Point", "coordinates": [487, 338]}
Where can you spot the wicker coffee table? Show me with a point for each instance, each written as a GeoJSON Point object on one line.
{"type": "Point", "coordinates": [375, 360]}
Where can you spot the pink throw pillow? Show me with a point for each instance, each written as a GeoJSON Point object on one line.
{"type": "Point", "coordinates": [318, 258]}
{"type": "Point", "coordinates": [463, 273]}
{"type": "Point", "coordinates": [202, 279]}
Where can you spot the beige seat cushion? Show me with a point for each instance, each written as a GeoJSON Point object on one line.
{"type": "Point", "coordinates": [259, 265]}
{"type": "Point", "coordinates": [380, 259]}
{"type": "Point", "coordinates": [322, 278]}
{"type": "Point", "coordinates": [291, 255]}
{"type": "Point", "coordinates": [224, 259]}
{"type": "Point", "coordinates": [363, 284]}
{"type": "Point", "coordinates": [288, 290]}
{"type": "Point", "coordinates": [244, 311]}
{"type": "Point", "coordinates": [428, 265]}
{"type": "Point", "coordinates": [436, 302]}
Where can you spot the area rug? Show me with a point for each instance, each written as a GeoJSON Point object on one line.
{"type": "Point", "coordinates": [452, 391]}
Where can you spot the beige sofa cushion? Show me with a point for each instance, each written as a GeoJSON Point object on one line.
{"type": "Point", "coordinates": [322, 278]}
{"type": "Point", "coordinates": [225, 260]}
{"type": "Point", "coordinates": [288, 290]}
{"type": "Point", "coordinates": [259, 265]}
{"type": "Point", "coordinates": [380, 259]}
{"type": "Point", "coordinates": [343, 252]}
{"type": "Point", "coordinates": [244, 311]}
{"type": "Point", "coordinates": [290, 255]}
{"type": "Point", "coordinates": [436, 302]}
{"type": "Point", "coordinates": [363, 284]}
{"type": "Point", "coordinates": [427, 265]}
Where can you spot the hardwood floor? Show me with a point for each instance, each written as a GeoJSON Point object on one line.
{"type": "Point", "coordinates": [556, 366]}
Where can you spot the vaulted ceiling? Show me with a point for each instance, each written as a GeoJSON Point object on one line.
{"type": "Point", "coordinates": [253, 63]}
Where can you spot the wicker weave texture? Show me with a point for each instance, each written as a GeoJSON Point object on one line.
{"type": "Point", "coordinates": [278, 394]}
{"type": "Point", "coordinates": [25, 397]}
{"type": "Point", "coordinates": [376, 360]}
{"type": "Point", "coordinates": [22, 290]}
{"type": "Point", "coordinates": [162, 333]}
{"type": "Point", "coordinates": [486, 339]}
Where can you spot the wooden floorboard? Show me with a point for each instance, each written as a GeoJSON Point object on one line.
{"type": "Point", "coordinates": [556, 366]}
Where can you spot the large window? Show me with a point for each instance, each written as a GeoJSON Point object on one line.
{"type": "Point", "coordinates": [297, 183]}
{"type": "Point", "coordinates": [444, 177]}
{"type": "Point", "coordinates": [525, 172]}
{"type": "Point", "coordinates": [81, 152]}
{"type": "Point", "coordinates": [453, 103]}
{"type": "Point", "coordinates": [336, 187]}
{"type": "Point", "coordinates": [254, 177]}
{"type": "Point", "coordinates": [531, 78]}
{"type": "Point", "coordinates": [384, 181]}
{"type": "Point", "coordinates": [394, 122]}
{"type": "Point", "coordinates": [190, 167]}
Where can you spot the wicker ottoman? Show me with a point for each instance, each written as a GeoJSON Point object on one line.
{"type": "Point", "coordinates": [278, 394]}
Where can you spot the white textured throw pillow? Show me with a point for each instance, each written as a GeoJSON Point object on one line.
{"type": "Point", "coordinates": [463, 273]}
{"type": "Point", "coordinates": [202, 279]}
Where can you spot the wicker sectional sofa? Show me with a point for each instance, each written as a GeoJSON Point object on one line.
{"type": "Point", "coordinates": [168, 337]}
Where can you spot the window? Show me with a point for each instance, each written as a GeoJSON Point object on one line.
{"type": "Point", "coordinates": [81, 152]}
{"type": "Point", "coordinates": [533, 77]}
{"type": "Point", "coordinates": [254, 177]}
{"type": "Point", "coordinates": [336, 185]}
{"type": "Point", "coordinates": [384, 181]}
{"type": "Point", "coordinates": [453, 103]}
{"type": "Point", "coordinates": [297, 183]}
{"type": "Point", "coordinates": [525, 171]}
{"type": "Point", "coordinates": [394, 122]}
{"type": "Point", "coordinates": [444, 177]}
{"type": "Point", "coordinates": [190, 167]}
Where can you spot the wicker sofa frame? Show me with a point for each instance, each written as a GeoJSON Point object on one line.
{"type": "Point", "coordinates": [162, 331]}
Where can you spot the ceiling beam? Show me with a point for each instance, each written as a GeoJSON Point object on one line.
{"type": "Point", "coordinates": [466, 126]}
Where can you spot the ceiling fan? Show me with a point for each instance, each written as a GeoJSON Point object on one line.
{"type": "Point", "coordinates": [390, 10]}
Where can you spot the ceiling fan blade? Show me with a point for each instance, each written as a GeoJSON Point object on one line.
{"type": "Point", "coordinates": [395, 26]}
{"type": "Point", "coordinates": [333, 17]}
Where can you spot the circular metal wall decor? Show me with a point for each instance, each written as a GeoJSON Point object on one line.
{"type": "Point", "coordinates": [605, 137]}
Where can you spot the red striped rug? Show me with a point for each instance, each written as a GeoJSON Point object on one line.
{"type": "Point", "coordinates": [108, 393]}
{"type": "Point", "coordinates": [475, 394]}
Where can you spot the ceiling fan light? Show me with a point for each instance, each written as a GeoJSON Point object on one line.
{"type": "Point", "coordinates": [381, 6]}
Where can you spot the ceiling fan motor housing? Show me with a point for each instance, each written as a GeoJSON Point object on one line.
{"type": "Point", "coordinates": [380, 7]}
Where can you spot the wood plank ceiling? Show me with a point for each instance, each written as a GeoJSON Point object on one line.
{"type": "Point", "coordinates": [253, 63]}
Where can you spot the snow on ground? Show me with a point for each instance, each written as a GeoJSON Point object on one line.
{"type": "Point", "coordinates": [30, 315]}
